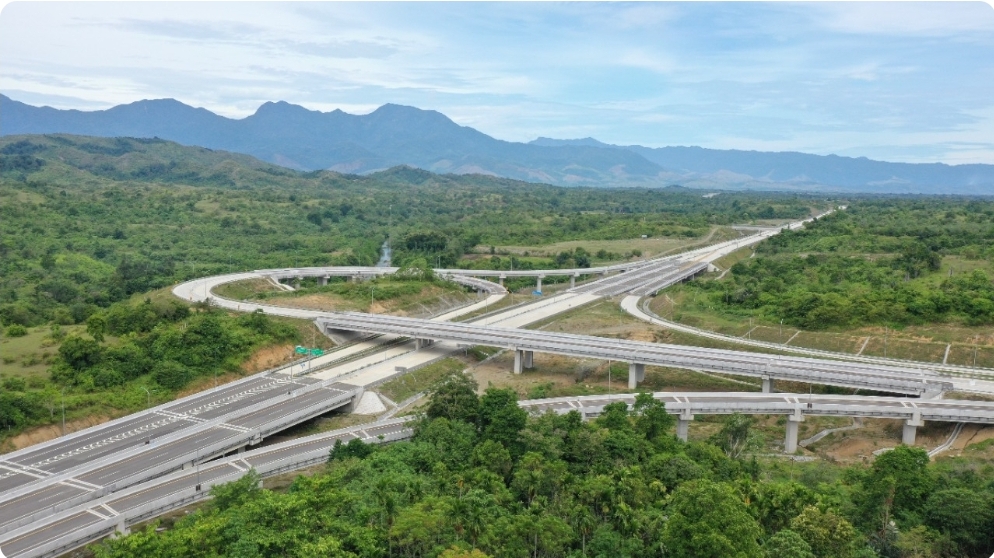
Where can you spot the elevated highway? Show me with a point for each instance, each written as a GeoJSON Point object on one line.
{"type": "Point", "coordinates": [639, 354]}
{"type": "Point", "coordinates": [65, 530]}
{"type": "Point", "coordinates": [43, 479]}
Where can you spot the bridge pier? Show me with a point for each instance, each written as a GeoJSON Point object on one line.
{"type": "Point", "coordinates": [122, 528]}
{"type": "Point", "coordinates": [790, 441]}
{"type": "Point", "coordinates": [538, 283]}
{"type": "Point", "coordinates": [422, 343]}
{"type": "Point", "coordinates": [523, 359]}
{"type": "Point", "coordinates": [323, 281]}
{"type": "Point", "coordinates": [910, 429]}
{"type": "Point", "coordinates": [636, 373]}
{"type": "Point", "coordinates": [500, 280]}
{"type": "Point", "coordinates": [683, 425]}
{"type": "Point", "coordinates": [572, 281]}
{"type": "Point", "coordinates": [767, 384]}
{"type": "Point", "coordinates": [296, 281]}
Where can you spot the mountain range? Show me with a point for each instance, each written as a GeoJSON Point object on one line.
{"type": "Point", "coordinates": [293, 136]}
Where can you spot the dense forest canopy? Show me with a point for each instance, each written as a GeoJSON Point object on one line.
{"type": "Point", "coordinates": [482, 478]}
{"type": "Point", "coordinates": [892, 261]}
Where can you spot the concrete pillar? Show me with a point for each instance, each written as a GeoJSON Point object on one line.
{"type": "Point", "coordinates": [538, 283]}
{"type": "Point", "coordinates": [572, 281]}
{"type": "Point", "coordinates": [500, 280]}
{"type": "Point", "coordinates": [122, 528]}
{"type": "Point", "coordinates": [910, 429]}
{"type": "Point", "coordinates": [296, 282]}
{"type": "Point", "coordinates": [188, 465]}
{"type": "Point", "coordinates": [241, 450]}
{"type": "Point", "coordinates": [767, 384]}
{"type": "Point", "coordinates": [355, 278]}
{"type": "Point", "coordinates": [683, 425]}
{"type": "Point", "coordinates": [529, 360]}
{"type": "Point", "coordinates": [323, 281]}
{"type": "Point", "coordinates": [422, 343]}
{"type": "Point", "coordinates": [790, 441]}
{"type": "Point", "coordinates": [518, 358]}
{"type": "Point", "coordinates": [636, 373]}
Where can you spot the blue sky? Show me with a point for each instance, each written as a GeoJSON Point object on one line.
{"type": "Point", "coordinates": [897, 81]}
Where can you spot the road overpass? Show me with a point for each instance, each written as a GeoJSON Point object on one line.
{"type": "Point", "coordinates": [638, 354]}
{"type": "Point", "coordinates": [68, 529]}
{"type": "Point", "coordinates": [59, 474]}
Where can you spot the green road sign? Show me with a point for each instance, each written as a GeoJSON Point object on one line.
{"type": "Point", "coordinates": [300, 350]}
{"type": "Point", "coordinates": [316, 352]}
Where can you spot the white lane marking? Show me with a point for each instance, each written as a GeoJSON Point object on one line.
{"type": "Point", "coordinates": [94, 512]}
{"type": "Point", "coordinates": [109, 509]}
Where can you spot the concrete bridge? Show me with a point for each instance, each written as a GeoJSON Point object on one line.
{"type": "Point", "coordinates": [638, 354]}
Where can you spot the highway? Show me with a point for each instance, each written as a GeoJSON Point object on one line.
{"type": "Point", "coordinates": [352, 367]}
{"type": "Point", "coordinates": [637, 307]}
{"type": "Point", "coordinates": [103, 460]}
{"type": "Point", "coordinates": [68, 529]}
{"type": "Point", "coordinates": [769, 367]}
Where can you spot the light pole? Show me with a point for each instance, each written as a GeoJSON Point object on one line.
{"type": "Point", "coordinates": [371, 287]}
{"type": "Point", "coordinates": [148, 394]}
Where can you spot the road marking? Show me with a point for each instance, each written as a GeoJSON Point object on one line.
{"type": "Point", "coordinates": [180, 416]}
{"type": "Point", "coordinates": [94, 512]}
{"type": "Point", "coordinates": [109, 509]}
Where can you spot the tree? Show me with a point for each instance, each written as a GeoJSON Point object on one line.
{"type": "Point", "coordinates": [787, 544]}
{"type": "Point", "coordinates": [829, 535]}
{"type": "Point", "coordinates": [734, 435]}
{"type": "Point", "coordinates": [708, 519]}
{"type": "Point", "coordinates": [651, 420]}
{"type": "Point", "coordinates": [965, 516]}
{"type": "Point", "coordinates": [79, 353]}
{"type": "Point", "coordinates": [896, 486]}
{"type": "Point", "coordinates": [455, 398]}
{"type": "Point", "coordinates": [501, 419]}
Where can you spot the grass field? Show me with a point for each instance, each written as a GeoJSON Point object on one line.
{"type": "Point", "coordinates": [650, 247]}
{"type": "Point", "coordinates": [421, 379]}
{"type": "Point", "coordinates": [30, 356]}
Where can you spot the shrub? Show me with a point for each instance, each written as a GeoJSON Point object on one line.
{"type": "Point", "coordinates": [16, 330]}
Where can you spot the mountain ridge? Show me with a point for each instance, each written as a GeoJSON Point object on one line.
{"type": "Point", "coordinates": [293, 136]}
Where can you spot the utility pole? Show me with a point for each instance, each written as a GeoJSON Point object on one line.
{"type": "Point", "coordinates": [64, 411]}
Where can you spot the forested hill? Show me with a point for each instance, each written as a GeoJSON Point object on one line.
{"type": "Point", "coordinates": [87, 221]}
{"type": "Point", "coordinates": [295, 137]}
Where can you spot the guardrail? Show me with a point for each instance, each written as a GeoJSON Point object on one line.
{"type": "Point", "coordinates": [239, 438]}
{"type": "Point", "coordinates": [191, 494]}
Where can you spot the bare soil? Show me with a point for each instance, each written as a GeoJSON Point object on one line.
{"type": "Point", "coordinates": [45, 433]}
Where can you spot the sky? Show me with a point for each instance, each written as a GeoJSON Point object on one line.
{"type": "Point", "coordinates": [894, 81]}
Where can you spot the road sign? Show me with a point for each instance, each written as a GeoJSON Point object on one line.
{"type": "Point", "coordinates": [316, 352]}
{"type": "Point", "coordinates": [300, 350]}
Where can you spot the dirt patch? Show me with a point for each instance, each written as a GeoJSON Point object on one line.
{"type": "Point", "coordinates": [51, 432]}
{"type": "Point", "coordinates": [268, 357]}
{"type": "Point", "coordinates": [971, 434]}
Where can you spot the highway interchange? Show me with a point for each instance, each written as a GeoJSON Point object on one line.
{"type": "Point", "coordinates": [64, 493]}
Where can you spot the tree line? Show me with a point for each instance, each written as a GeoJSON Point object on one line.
{"type": "Point", "coordinates": [483, 478]}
